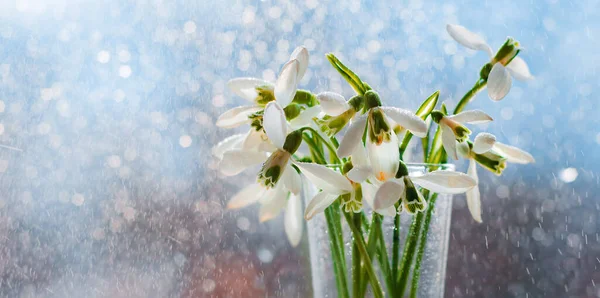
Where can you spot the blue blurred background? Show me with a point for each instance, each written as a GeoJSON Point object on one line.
{"type": "Point", "coordinates": [107, 113]}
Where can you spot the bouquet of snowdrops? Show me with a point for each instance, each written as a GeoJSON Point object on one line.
{"type": "Point", "coordinates": [295, 135]}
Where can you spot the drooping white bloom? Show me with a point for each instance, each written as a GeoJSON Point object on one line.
{"type": "Point", "coordinates": [260, 92]}
{"type": "Point", "coordinates": [453, 129]}
{"type": "Point", "coordinates": [403, 188]}
{"type": "Point", "coordinates": [492, 155]}
{"type": "Point", "coordinates": [382, 143]}
{"type": "Point", "coordinates": [354, 187]}
{"type": "Point", "coordinates": [285, 89]}
{"type": "Point", "coordinates": [504, 64]}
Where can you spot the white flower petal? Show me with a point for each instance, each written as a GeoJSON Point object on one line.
{"type": "Point", "coordinates": [483, 142]}
{"type": "Point", "coordinates": [473, 196]}
{"type": "Point", "coordinates": [300, 54]}
{"type": "Point", "coordinates": [519, 70]}
{"type": "Point", "coordinates": [248, 195]}
{"type": "Point", "coordinates": [359, 174]}
{"type": "Point", "coordinates": [333, 104]}
{"type": "Point", "coordinates": [368, 192]}
{"type": "Point", "coordinates": [514, 154]}
{"type": "Point", "coordinates": [471, 117]}
{"type": "Point", "coordinates": [272, 203]}
{"type": "Point", "coordinates": [360, 157]}
{"type": "Point", "coordinates": [285, 87]}
{"type": "Point", "coordinates": [407, 119]}
{"type": "Point", "coordinates": [246, 87]}
{"type": "Point", "coordinates": [236, 116]}
{"type": "Point", "coordinates": [227, 144]}
{"type": "Point", "coordinates": [384, 158]}
{"type": "Point", "coordinates": [291, 179]}
{"type": "Point", "coordinates": [448, 141]}
{"type": "Point", "coordinates": [257, 141]}
{"type": "Point", "coordinates": [236, 160]}
{"type": "Point", "coordinates": [353, 136]}
{"type": "Point", "coordinates": [325, 178]}
{"type": "Point", "coordinates": [293, 221]}
{"type": "Point", "coordinates": [445, 182]}
{"type": "Point", "coordinates": [468, 39]}
{"type": "Point", "coordinates": [499, 82]}
{"type": "Point", "coordinates": [275, 124]}
{"type": "Point", "coordinates": [388, 194]}
{"type": "Point", "coordinates": [306, 117]}
{"type": "Point", "coordinates": [318, 204]}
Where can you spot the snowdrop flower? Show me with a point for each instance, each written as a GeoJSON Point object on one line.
{"type": "Point", "coordinates": [332, 185]}
{"type": "Point", "coordinates": [272, 195]}
{"type": "Point", "coordinates": [402, 188]}
{"type": "Point", "coordinates": [492, 155]}
{"type": "Point", "coordinates": [338, 114]}
{"type": "Point", "coordinates": [276, 166]}
{"type": "Point", "coordinates": [501, 66]}
{"type": "Point", "coordinates": [453, 129]}
{"type": "Point", "coordinates": [382, 142]}
{"type": "Point", "coordinates": [260, 92]}
{"type": "Point", "coordinates": [351, 188]}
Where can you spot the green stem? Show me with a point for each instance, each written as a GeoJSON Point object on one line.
{"type": "Point", "coordinates": [371, 249]}
{"type": "Point", "coordinates": [356, 267]}
{"type": "Point", "coordinates": [333, 219]}
{"type": "Point", "coordinates": [480, 84]}
{"type": "Point", "coordinates": [339, 261]}
{"type": "Point", "coordinates": [384, 262]}
{"type": "Point", "coordinates": [330, 147]}
{"type": "Point", "coordinates": [421, 249]}
{"type": "Point", "coordinates": [409, 253]}
{"type": "Point", "coordinates": [396, 247]}
{"type": "Point", "coordinates": [405, 142]}
{"type": "Point", "coordinates": [358, 238]}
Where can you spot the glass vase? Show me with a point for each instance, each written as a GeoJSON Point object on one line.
{"type": "Point", "coordinates": [433, 265]}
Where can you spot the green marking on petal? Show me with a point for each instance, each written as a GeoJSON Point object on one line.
{"type": "Point", "coordinates": [265, 95]}
{"type": "Point", "coordinates": [508, 51]}
{"type": "Point", "coordinates": [379, 129]}
{"type": "Point", "coordinates": [272, 168]}
{"type": "Point", "coordinates": [413, 201]}
{"type": "Point", "coordinates": [492, 161]}
{"type": "Point", "coordinates": [461, 132]}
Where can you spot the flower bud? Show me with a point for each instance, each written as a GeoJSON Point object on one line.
{"type": "Point", "coordinates": [271, 170]}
